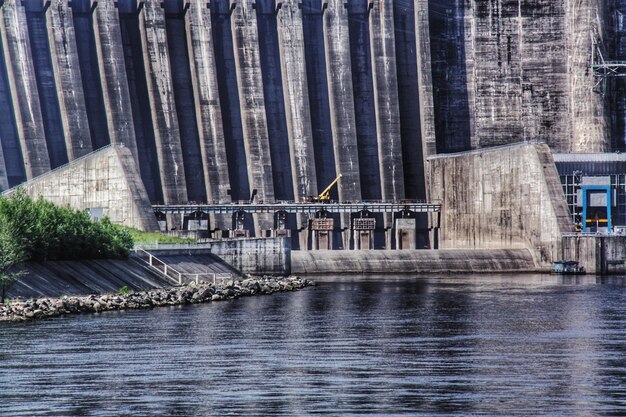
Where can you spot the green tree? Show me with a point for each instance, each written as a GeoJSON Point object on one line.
{"type": "Point", "coordinates": [12, 254]}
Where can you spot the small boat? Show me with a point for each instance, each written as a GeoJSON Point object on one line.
{"type": "Point", "coordinates": [567, 268]}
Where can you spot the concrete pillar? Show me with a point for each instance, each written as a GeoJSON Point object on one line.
{"type": "Point", "coordinates": [108, 41]}
{"type": "Point", "coordinates": [590, 125]}
{"type": "Point", "coordinates": [297, 110]}
{"type": "Point", "coordinates": [9, 139]}
{"type": "Point", "coordinates": [162, 106]}
{"type": "Point", "coordinates": [252, 104]}
{"type": "Point", "coordinates": [385, 79]}
{"type": "Point", "coordinates": [4, 179]}
{"type": "Point", "coordinates": [405, 233]}
{"type": "Point", "coordinates": [23, 87]}
{"type": "Point", "coordinates": [425, 82]}
{"type": "Point", "coordinates": [68, 79]}
{"type": "Point", "coordinates": [208, 108]}
{"type": "Point", "coordinates": [341, 97]}
{"type": "Point", "coordinates": [386, 101]}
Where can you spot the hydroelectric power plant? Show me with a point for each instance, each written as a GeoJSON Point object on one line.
{"type": "Point", "coordinates": [444, 119]}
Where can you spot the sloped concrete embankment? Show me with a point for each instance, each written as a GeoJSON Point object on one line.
{"type": "Point", "coordinates": [418, 261]}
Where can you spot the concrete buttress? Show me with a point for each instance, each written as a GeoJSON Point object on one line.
{"type": "Point", "coordinates": [586, 21]}
{"type": "Point", "coordinates": [382, 40]}
{"type": "Point", "coordinates": [23, 87]}
{"type": "Point", "coordinates": [67, 75]}
{"type": "Point", "coordinates": [4, 179]}
{"type": "Point", "coordinates": [341, 99]}
{"type": "Point", "coordinates": [252, 104]}
{"type": "Point", "coordinates": [161, 97]}
{"type": "Point", "coordinates": [297, 109]}
{"type": "Point", "coordinates": [108, 41]}
{"type": "Point", "coordinates": [208, 108]}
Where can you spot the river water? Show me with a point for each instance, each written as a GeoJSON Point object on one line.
{"type": "Point", "coordinates": [453, 345]}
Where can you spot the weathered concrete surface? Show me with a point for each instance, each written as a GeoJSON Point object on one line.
{"type": "Point", "coordinates": [67, 74]}
{"type": "Point", "coordinates": [341, 98]}
{"type": "Point", "coordinates": [505, 197]}
{"type": "Point", "coordinates": [590, 121]}
{"type": "Point", "coordinates": [425, 82]}
{"type": "Point", "coordinates": [296, 93]}
{"type": "Point", "coordinates": [59, 278]}
{"type": "Point", "coordinates": [208, 109]}
{"type": "Point", "coordinates": [162, 106]}
{"type": "Point", "coordinates": [601, 255]}
{"type": "Point", "coordinates": [114, 84]}
{"type": "Point", "coordinates": [256, 140]}
{"type": "Point", "coordinates": [252, 105]}
{"type": "Point", "coordinates": [256, 256]}
{"type": "Point", "coordinates": [382, 41]}
{"type": "Point", "coordinates": [23, 87]}
{"type": "Point", "coordinates": [411, 261]}
{"type": "Point", "coordinates": [106, 179]}
{"type": "Point", "coordinates": [4, 179]}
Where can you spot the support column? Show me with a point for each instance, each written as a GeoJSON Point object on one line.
{"type": "Point", "coordinates": [67, 75]}
{"type": "Point", "coordinates": [208, 108]}
{"type": "Point", "coordinates": [4, 179]}
{"type": "Point", "coordinates": [252, 103]}
{"type": "Point", "coordinates": [108, 39]}
{"type": "Point", "coordinates": [23, 87]}
{"type": "Point", "coordinates": [383, 52]}
{"type": "Point", "coordinates": [341, 97]}
{"type": "Point", "coordinates": [386, 102]}
{"type": "Point", "coordinates": [161, 97]}
{"type": "Point", "coordinates": [425, 81]}
{"type": "Point", "coordinates": [298, 113]}
{"type": "Point", "coordinates": [586, 22]}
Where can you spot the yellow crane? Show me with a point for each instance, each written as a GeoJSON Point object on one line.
{"type": "Point", "coordinates": [324, 196]}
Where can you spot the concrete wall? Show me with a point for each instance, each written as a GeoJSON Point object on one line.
{"type": "Point", "coordinates": [411, 261]}
{"type": "Point", "coordinates": [256, 256]}
{"type": "Point", "coordinates": [106, 179]}
{"type": "Point", "coordinates": [601, 255]}
{"type": "Point", "coordinates": [506, 197]}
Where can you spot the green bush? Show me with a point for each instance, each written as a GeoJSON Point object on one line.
{"type": "Point", "coordinates": [49, 232]}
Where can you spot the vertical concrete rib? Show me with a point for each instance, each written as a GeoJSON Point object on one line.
{"type": "Point", "coordinates": [67, 74]}
{"type": "Point", "coordinates": [208, 109]}
{"type": "Point", "coordinates": [4, 178]}
{"type": "Point", "coordinates": [271, 71]}
{"type": "Point", "coordinates": [82, 16]}
{"type": "Point", "coordinates": [338, 64]}
{"type": "Point", "coordinates": [161, 96]}
{"type": "Point", "coordinates": [425, 83]}
{"type": "Point", "coordinates": [252, 102]}
{"type": "Point", "coordinates": [296, 94]}
{"type": "Point", "coordinates": [590, 132]}
{"type": "Point", "coordinates": [383, 52]}
{"type": "Point", "coordinates": [9, 139]}
{"type": "Point", "coordinates": [184, 99]}
{"type": "Point", "coordinates": [108, 41]}
{"type": "Point", "coordinates": [23, 86]}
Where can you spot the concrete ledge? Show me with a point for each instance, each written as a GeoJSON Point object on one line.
{"type": "Point", "coordinates": [411, 261]}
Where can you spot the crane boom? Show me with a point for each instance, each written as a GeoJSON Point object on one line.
{"type": "Point", "coordinates": [325, 195]}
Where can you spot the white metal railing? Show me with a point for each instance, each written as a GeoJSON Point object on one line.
{"type": "Point", "coordinates": [177, 276]}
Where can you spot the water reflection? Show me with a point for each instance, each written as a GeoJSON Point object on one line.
{"type": "Point", "coordinates": [461, 345]}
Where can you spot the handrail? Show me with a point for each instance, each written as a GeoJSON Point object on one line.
{"type": "Point", "coordinates": [174, 275]}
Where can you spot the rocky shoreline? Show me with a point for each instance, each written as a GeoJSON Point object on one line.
{"type": "Point", "coordinates": [192, 293]}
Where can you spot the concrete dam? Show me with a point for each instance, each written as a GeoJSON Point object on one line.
{"type": "Point", "coordinates": [269, 100]}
